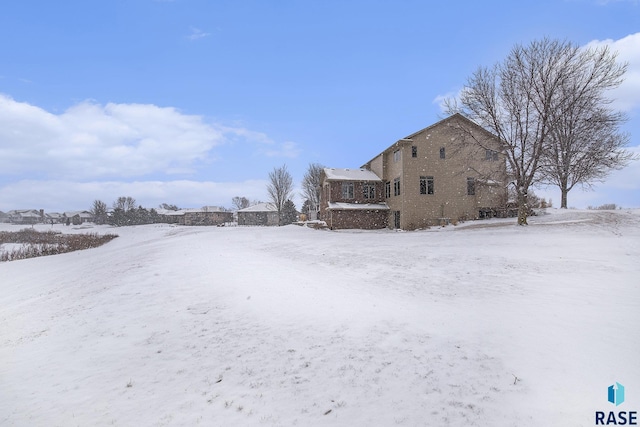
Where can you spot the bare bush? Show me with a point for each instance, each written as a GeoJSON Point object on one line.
{"type": "Point", "coordinates": [605, 207]}
{"type": "Point", "coordinates": [37, 243]}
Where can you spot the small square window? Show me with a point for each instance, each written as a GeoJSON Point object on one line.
{"type": "Point", "coordinates": [491, 155]}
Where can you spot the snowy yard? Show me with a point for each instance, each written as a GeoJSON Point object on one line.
{"type": "Point", "coordinates": [483, 324]}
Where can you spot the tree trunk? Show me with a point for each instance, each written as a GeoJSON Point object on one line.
{"type": "Point", "coordinates": [523, 207]}
{"type": "Point", "coordinates": [564, 192]}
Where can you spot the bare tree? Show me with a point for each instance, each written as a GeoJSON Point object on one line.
{"type": "Point", "coordinates": [311, 185]}
{"type": "Point", "coordinates": [125, 203]}
{"type": "Point", "coordinates": [280, 187]}
{"type": "Point", "coordinates": [169, 207]}
{"type": "Point", "coordinates": [521, 99]}
{"type": "Point", "coordinates": [585, 143]}
{"type": "Point", "coordinates": [99, 212]}
{"type": "Point", "coordinates": [240, 202]}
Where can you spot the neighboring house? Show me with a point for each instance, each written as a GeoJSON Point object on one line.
{"type": "Point", "coordinates": [352, 198]}
{"type": "Point", "coordinates": [77, 217]}
{"type": "Point", "coordinates": [53, 218]}
{"type": "Point", "coordinates": [449, 171]}
{"type": "Point", "coordinates": [260, 214]}
{"type": "Point", "coordinates": [207, 215]}
{"type": "Point", "coordinates": [170, 216]}
{"type": "Point", "coordinates": [26, 216]}
{"type": "Point", "coordinates": [4, 217]}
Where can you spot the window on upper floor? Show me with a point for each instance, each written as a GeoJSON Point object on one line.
{"type": "Point", "coordinates": [396, 187]}
{"type": "Point", "coordinates": [491, 155]}
{"type": "Point", "coordinates": [426, 185]}
{"type": "Point", "coordinates": [442, 153]}
{"type": "Point", "coordinates": [369, 191]}
{"type": "Point", "coordinates": [396, 156]}
{"type": "Point", "coordinates": [347, 190]}
{"type": "Point", "coordinates": [387, 189]}
{"type": "Point", "coordinates": [414, 151]}
{"type": "Point", "coordinates": [471, 186]}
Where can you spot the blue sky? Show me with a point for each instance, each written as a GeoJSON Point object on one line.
{"type": "Point", "coordinates": [192, 102]}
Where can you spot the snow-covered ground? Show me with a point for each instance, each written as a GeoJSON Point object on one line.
{"type": "Point", "coordinates": [482, 324]}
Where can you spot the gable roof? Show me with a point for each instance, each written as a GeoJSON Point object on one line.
{"type": "Point", "coordinates": [448, 119]}
{"type": "Point", "coordinates": [333, 174]}
{"type": "Point", "coordinates": [409, 139]}
{"type": "Point", "coordinates": [260, 207]}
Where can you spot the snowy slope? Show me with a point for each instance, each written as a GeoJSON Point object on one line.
{"type": "Point", "coordinates": [292, 326]}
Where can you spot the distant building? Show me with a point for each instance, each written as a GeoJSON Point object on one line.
{"type": "Point", "coordinates": [265, 214]}
{"type": "Point", "coordinates": [53, 218]}
{"type": "Point", "coordinates": [26, 216]}
{"type": "Point", "coordinates": [77, 217]}
{"type": "Point", "coordinates": [207, 215]}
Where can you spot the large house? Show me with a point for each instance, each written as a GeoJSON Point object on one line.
{"type": "Point", "coordinates": [451, 170]}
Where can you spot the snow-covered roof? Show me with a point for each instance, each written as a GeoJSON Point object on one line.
{"type": "Point", "coordinates": [333, 174]}
{"type": "Point", "coordinates": [358, 206]}
{"type": "Point", "coordinates": [260, 207]}
{"type": "Point", "coordinates": [81, 214]}
{"type": "Point", "coordinates": [169, 212]}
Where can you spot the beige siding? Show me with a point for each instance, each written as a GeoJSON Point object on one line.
{"type": "Point", "coordinates": [449, 200]}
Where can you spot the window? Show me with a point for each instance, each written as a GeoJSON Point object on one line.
{"type": "Point", "coordinates": [414, 151]}
{"type": "Point", "coordinates": [396, 187]}
{"type": "Point", "coordinates": [369, 191]}
{"type": "Point", "coordinates": [471, 186]}
{"type": "Point", "coordinates": [442, 155]}
{"type": "Point", "coordinates": [491, 155]}
{"type": "Point", "coordinates": [387, 189]}
{"type": "Point", "coordinates": [347, 190]}
{"type": "Point", "coordinates": [426, 185]}
{"type": "Point", "coordinates": [396, 156]}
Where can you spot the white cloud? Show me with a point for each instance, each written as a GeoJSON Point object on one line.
{"type": "Point", "coordinates": [94, 141]}
{"type": "Point", "coordinates": [91, 151]}
{"type": "Point", "coordinates": [441, 100]}
{"type": "Point", "coordinates": [627, 96]}
{"type": "Point", "coordinates": [197, 33]}
{"type": "Point", "coordinates": [265, 146]}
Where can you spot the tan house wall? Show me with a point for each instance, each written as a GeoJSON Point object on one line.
{"type": "Point", "coordinates": [377, 165]}
{"type": "Point", "coordinates": [450, 200]}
